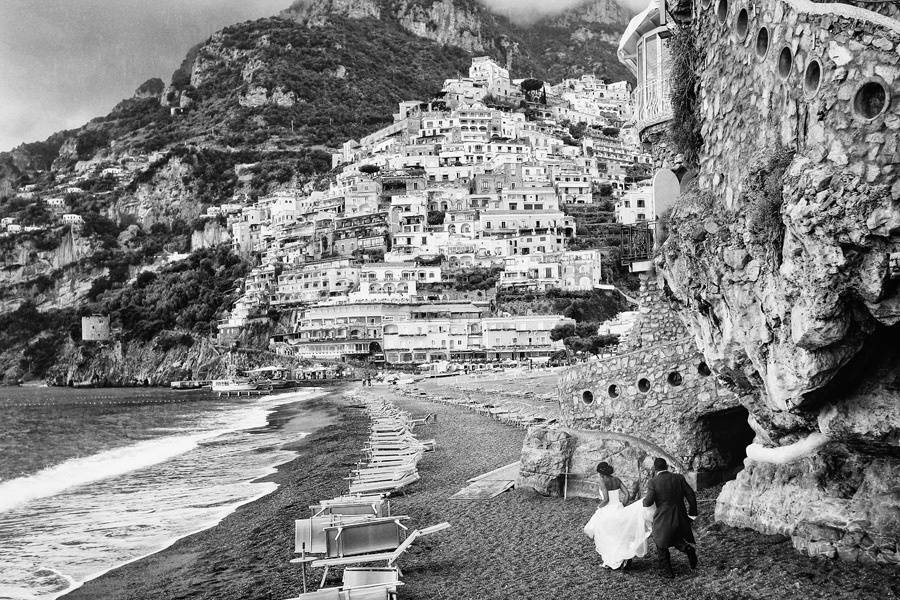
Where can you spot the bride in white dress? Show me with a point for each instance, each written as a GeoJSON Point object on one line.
{"type": "Point", "coordinates": [619, 532]}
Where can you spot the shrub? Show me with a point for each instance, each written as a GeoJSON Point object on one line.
{"type": "Point", "coordinates": [763, 199]}
{"type": "Point", "coordinates": [684, 128]}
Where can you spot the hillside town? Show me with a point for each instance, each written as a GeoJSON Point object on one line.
{"type": "Point", "coordinates": [484, 181]}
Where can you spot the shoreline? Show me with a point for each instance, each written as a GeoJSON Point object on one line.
{"type": "Point", "coordinates": [518, 544]}
{"type": "Point", "coordinates": [302, 417]}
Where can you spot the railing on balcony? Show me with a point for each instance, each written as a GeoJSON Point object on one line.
{"type": "Point", "coordinates": [653, 103]}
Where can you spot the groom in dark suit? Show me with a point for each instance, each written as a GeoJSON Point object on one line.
{"type": "Point", "coordinates": [671, 523]}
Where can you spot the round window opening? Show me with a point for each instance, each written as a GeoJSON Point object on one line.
{"type": "Point", "coordinates": [587, 397]}
{"type": "Point", "coordinates": [703, 370]}
{"type": "Point", "coordinates": [613, 391]}
{"type": "Point", "coordinates": [812, 78]}
{"type": "Point", "coordinates": [675, 379]}
{"type": "Point", "coordinates": [644, 385]}
{"type": "Point", "coordinates": [871, 99]}
{"type": "Point", "coordinates": [743, 23]}
{"type": "Point", "coordinates": [722, 10]}
{"type": "Point", "coordinates": [785, 62]}
{"type": "Point", "coordinates": [762, 42]}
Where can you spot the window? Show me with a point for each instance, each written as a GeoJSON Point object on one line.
{"type": "Point", "coordinates": [640, 204]}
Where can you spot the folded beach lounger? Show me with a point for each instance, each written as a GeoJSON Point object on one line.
{"type": "Point", "coordinates": [381, 475]}
{"type": "Point", "coordinates": [357, 577]}
{"type": "Point", "coordinates": [390, 558]}
{"type": "Point", "coordinates": [387, 487]}
{"type": "Point", "coordinates": [369, 592]}
{"type": "Point", "coordinates": [309, 534]}
{"type": "Point", "coordinates": [364, 505]}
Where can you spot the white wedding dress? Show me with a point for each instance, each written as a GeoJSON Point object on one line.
{"type": "Point", "coordinates": [620, 532]}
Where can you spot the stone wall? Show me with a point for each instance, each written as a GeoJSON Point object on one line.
{"type": "Point", "coordinates": [657, 391]}
{"type": "Point", "coordinates": [780, 257]}
{"type": "Point", "coordinates": [658, 320]}
{"type": "Point", "coordinates": [656, 398]}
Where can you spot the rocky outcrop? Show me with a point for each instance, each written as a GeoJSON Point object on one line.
{"type": "Point", "coordinates": [258, 95]}
{"type": "Point", "coordinates": [166, 196]}
{"type": "Point", "coordinates": [214, 233]}
{"type": "Point", "coordinates": [152, 88]}
{"type": "Point", "coordinates": [454, 22]}
{"type": "Point", "coordinates": [469, 24]}
{"type": "Point", "coordinates": [545, 457]}
{"type": "Point", "coordinates": [781, 258]}
{"type": "Point", "coordinates": [170, 356]}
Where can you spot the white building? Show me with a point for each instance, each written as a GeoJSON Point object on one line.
{"type": "Point", "coordinates": [95, 328]}
{"type": "Point", "coordinates": [635, 205]}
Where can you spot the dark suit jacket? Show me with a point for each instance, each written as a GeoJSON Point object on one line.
{"type": "Point", "coordinates": [671, 525]}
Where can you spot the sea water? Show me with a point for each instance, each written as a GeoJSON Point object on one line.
{"type": "Point", "coordinates": [93, 479]}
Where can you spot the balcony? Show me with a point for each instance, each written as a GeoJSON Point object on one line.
{"type": "Point", "coordinates": [652, 103]}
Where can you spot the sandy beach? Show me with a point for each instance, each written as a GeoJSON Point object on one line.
{"type": "Point", "coordinates": [517, 545]}
{"type": "Point", "coordinates": [247, 554]}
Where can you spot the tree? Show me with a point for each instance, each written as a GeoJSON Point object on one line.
{"type": "Point", "coordinates": [369, 169]}
{"type": "Point", "coordinates": [585, 330]}
{"type": "Point", "coordinates": [562, 331]}
{"type": "Point", "coordinates": [533, 90]}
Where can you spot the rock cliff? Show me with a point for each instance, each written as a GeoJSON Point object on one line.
{"type": "Point", "coordinates": [781, 257]}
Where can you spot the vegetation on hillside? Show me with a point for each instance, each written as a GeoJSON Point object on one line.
{"type": "Point", "coordinates": [189, 296]}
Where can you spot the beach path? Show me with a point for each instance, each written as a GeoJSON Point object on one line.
{"type": "Point", "coordinates": [522, 545]}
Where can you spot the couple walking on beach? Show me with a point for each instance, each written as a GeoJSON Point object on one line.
{"type": "Point", "coordinates": [620, 531]}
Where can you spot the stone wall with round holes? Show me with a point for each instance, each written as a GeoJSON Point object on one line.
{"type": "Point", "coordinates": [753, 93]}
{"type": "Point", "coordinates": [656, 393]}
{"type": "Point", "coordinates": [782, 262]}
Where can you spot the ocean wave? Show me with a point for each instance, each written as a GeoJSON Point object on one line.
{"type": "Point", "coordinates": [81, 471]}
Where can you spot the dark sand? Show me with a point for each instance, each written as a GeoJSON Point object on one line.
{"type": "Point", "coordinates": [247, 555]}
{"type": "Point", "coordinates": [516, 546]}
{"type": "Point", "coordinates": [521, 545]}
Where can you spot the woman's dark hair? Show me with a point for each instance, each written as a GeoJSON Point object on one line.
{"type": "Point", "coordinates": [605, 468]}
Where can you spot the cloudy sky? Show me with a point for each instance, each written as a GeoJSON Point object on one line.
{"type": "Point", "coordinates": [63, 62]}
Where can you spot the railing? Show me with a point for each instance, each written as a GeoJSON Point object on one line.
{"type": "Point", "coordinates": [652, 102]}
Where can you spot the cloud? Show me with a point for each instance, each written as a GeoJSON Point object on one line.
{"type": "Point", "coordinates": [525, 11]}
{"type": "Point", "coordinates": [64, 62]}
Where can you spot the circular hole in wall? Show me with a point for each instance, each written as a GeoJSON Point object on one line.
{"type": "Point", "coordinates": [812, 78]}
{"type": "Point", "coordinates": [872, 98]}
{"type": "Point", "coordinates": [703, 370]}
{"type": "Point", "coordinates": [675, 378]}
{"type": "Point", "coordinates": [587, 397]}
{"type": "Point", "coordinates": [613, 391]}
{"type": "Point", "coordinates": [762, 42]}
{"type": "Point", "coordinates": [644, 385]}
{"type": "Point", "coordinates": [705, 3]}
{"type": "Point", "coordinates": [743, 23]}
{"type": "Point", "coordinates": [722, 10]}
{"type": "Point", "coordinates": [785, 62]}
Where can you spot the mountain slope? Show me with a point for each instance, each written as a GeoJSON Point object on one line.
{"type": "Point", "coordinates": [255, 106]}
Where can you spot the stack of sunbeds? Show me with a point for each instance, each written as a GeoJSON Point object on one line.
{"type": "Point", "coordinates": [356, 531]}
{"type": "Point", "coordinates": [512, 412]}
{"type": "Point", "coordinates": [392, 452]}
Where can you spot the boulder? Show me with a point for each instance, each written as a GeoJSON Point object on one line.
{"type": "Point", "coordinates": [545, 456]}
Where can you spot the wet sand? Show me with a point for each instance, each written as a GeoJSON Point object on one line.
{"type": "Point", "coordinates": [247, 554]}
